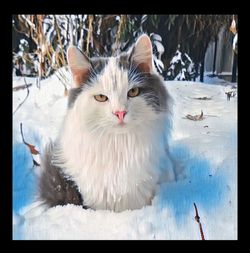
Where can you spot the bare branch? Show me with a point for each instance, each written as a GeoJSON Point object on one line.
{"type": "Point", "coordinates": [59, 38]}
{"type": "Point", "coordinates": [203, 98]}
{"type": "Point", "coordinates": [21, 129]}
{"type": "Point", "coordinates": [89, 36]}
{"type": "Point", "coordinates": [71, 30]}
{"type": "Point", "coordinates": [21, 87]}
{"type": "Point", "coordinates": [27, 87]}
{"type": "Point", "coordinates": [119, 31]}
{"type": "Point", "coordinates": [32, 149]}
{"type": "Point", "coordinates": [197, 218]}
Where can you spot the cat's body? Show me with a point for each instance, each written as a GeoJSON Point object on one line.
{"type": "Point", "coordinates": [114, 137]}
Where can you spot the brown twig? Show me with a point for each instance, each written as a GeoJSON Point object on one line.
{"type": "Point", "coordinates": [32, 149]}
{"type": "Point", "coordinates": [21, 87]}
{"type": "Point", "coordinates": [119, 31]}
{"type": "Point", "coordinates": [197, 218]}
{"type": "Point", "coordinates": [203, 98]}
{"type": "Point", "coordinates": [27, 87]}
{"type": "Point", "coordinates": [89, 35]}
{"type": "Point", "coordinates": [195, 117]}
{"type": "Point", "coordinates": [59, 39]}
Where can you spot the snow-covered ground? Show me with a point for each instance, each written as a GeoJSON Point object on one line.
{"type": "Point", "coordinates": [206, 149]}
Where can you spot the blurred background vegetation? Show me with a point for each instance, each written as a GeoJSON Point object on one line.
{"type": "Point", "coordinates": [180, 42]}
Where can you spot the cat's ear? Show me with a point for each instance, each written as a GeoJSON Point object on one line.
{"type": "Point", "coordinates": [141, 55]}
{"type": "Point", "coordinates": [79, 65]}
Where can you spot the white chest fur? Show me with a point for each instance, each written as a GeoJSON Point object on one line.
{"type": "Point", "coordinates": [113, 171]}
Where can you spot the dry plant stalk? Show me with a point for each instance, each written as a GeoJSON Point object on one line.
{"type": "Point", "coordinates": [32, 148]}
{"type": "Point", "coordinates": [28, 92]}
{"type": "Point", "coordinates": [203, 98]}
{"type": "Point", "coordinates": [21, 87]}
{"type": "Point", "coordinates": [59, 39]}
{"type": "Point", "coordinates": [195, 117]}
{"type": "Point", "coordinates": [90, 31]}
{"type": "Point", "coordinates": [45, 50]}
{"type": "Point", "coordinates": [197, 218]}
{"type": "Point", "coordinates": [120, 27]}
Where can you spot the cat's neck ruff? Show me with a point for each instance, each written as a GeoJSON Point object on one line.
{"type": "Point", "coordinates": [113, 170]}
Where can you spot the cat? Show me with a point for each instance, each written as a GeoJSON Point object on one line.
{"type": "Point", "coordinates": [113, 144]}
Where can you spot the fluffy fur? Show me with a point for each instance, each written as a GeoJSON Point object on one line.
{"type": "Point", "coordinates": [55, 187]}
{"type": "Point", "coordinates": [115, 166]}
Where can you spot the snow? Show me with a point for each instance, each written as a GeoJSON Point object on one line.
{"type": "Point", "coordinates": [144, 18]}
{"type": "Point", "coordinates": [155, 36]}
{"type": "Point", "coordinates": [206, 149]}
{"type": "Point", "coordinates": [159, 46]}
{"type": "Point", "coordinates": [216, 80]}
{"type": "Point", "coordinates": [177, 58]}
{"type": "Point", "coordinates": [158, 63]}
{"type": "Point", "coordinates": [235, 41]}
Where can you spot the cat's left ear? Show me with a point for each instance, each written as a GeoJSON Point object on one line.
{"type": "Point", "coordinates": [141, 55]}
{"type": "Point", "coordinates": [79, 65]}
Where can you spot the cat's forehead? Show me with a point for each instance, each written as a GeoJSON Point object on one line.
{"type": "Point", "coordinates": [122, 61]}
{"type": "Point", "coordinates": [112, 72]}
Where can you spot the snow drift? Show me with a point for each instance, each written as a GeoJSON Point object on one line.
{"type": "Point", "coordinates": [205, 149]}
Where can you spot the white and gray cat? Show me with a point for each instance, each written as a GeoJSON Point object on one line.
{"type": "Point", "coordinates": [112, 147]}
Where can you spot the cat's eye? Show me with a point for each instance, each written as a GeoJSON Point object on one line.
{"type": "Point", "coordinates": [134, 92]}
{"type": "Point", "coordinates": [101, 98]}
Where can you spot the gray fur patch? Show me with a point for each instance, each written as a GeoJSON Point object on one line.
{"type": "Point", "coordinates": [97, 66]}
{"type": "Point", "coordinates": [152, 89]}
{"type": "Point", "coordinates": [73, 94]}
{"type": "Point", "coordinates": [124, 62]}
{"type": "Point", "coordinates": [55, 187]}
{"type": "Point", "coordinates": [155, 93]}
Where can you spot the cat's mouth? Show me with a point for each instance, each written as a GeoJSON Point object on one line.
{"type": "Point", "coordinates": [121, 124]}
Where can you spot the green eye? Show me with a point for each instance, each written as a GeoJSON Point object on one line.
{"type": "Point", "coordinates": [134, 92]}
{"type": "Point", "coordinates": [101, 98]}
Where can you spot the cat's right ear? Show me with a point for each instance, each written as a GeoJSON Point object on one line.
{"type": "Point", "coordinates": [79, 65]}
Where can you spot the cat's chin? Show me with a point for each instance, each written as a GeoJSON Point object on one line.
{"type": "Point", "coordinates": [121, 128]}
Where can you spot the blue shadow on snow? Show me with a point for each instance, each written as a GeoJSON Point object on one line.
{"type": "Point", "coordinates": [199, 186]}
{"type": "Point", "coordinates": [24, 178]}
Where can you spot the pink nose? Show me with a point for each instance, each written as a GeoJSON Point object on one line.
{"type": "Point", "coordinates": [120, 115]}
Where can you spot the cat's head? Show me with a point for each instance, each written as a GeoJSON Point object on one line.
{"type": "Point", "coordinates": [117, 93]}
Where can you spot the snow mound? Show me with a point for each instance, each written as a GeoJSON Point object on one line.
{"type": "Point", "coordinates": [205, 149]}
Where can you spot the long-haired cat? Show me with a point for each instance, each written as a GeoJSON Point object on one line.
{"type": "Point", "coordinates": [113, 142]}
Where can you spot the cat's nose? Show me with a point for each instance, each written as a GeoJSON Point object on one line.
{"type": "Point", "coordinates": [120, 115]}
